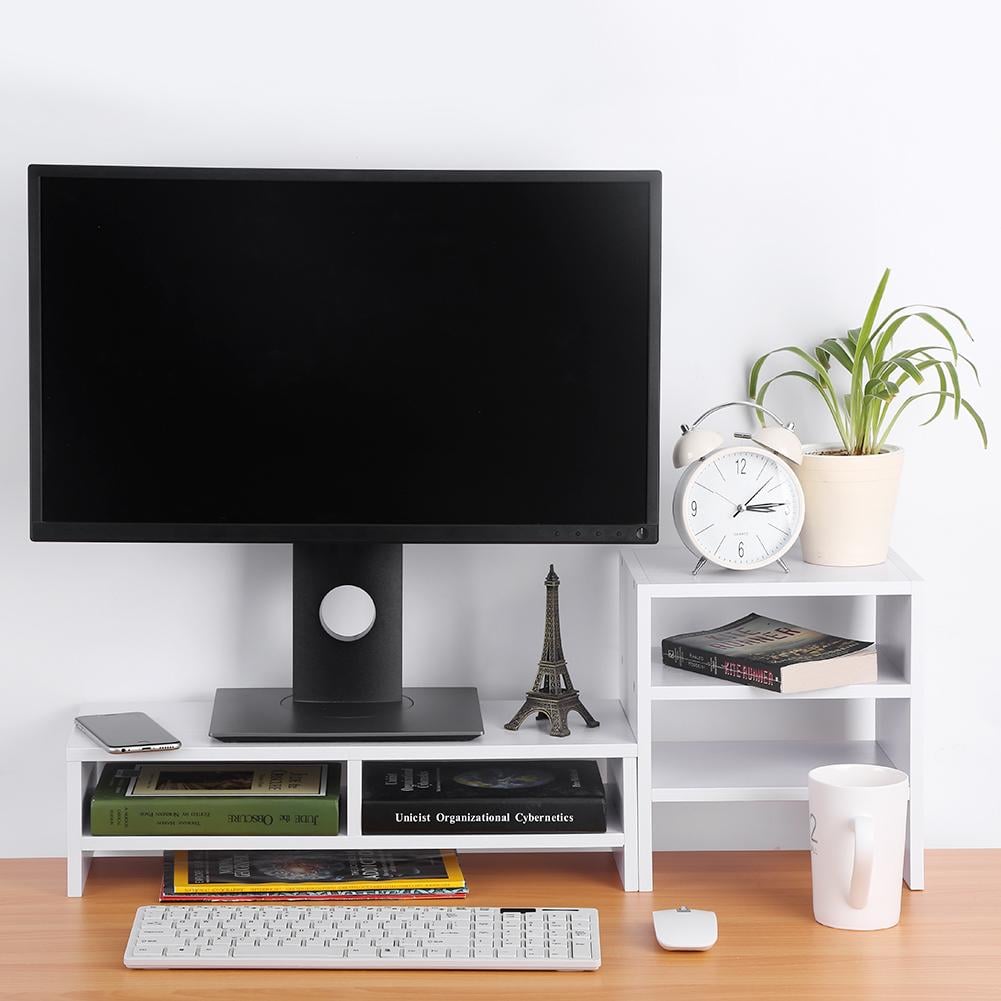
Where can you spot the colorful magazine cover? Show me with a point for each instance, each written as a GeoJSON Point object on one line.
{"type": "Point", "coordinates": [267, 871]}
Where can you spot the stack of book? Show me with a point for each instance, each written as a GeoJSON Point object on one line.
{"type": "Point", "coordinates": [310, 877]}
{"type": "Point", "coordinates": [229, 798]}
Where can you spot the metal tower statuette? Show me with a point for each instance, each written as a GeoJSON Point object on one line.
{"type": "Point", "coordinates": [553, 694]}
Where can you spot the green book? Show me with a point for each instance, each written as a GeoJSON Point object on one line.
{"type": "Point", "coordinates": [230, 798]}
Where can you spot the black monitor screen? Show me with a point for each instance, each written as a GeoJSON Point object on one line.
{"type": "Point", "coordinates": [283, 355]}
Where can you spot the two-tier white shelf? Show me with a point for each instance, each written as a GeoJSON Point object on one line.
{"type": "Point", "coordinates": [612, 743]}
{"type": "Point", "coordinates": [640, 770]}
{"type": "Point", "coordinates": [685, 771]}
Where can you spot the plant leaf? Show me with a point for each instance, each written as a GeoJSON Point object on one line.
{"type": "Point", "coordinates": [924, 305]}
{"type": "Point", "coordinates": [887, 336]}
{"type": "Point", "coordinates": [942, 385]}
{"type": "Point", "coordinates": [834, 348]}
{"type": "Point", "coordinates": [752, 382]}
{"type": "Point", "coordinates": [954, 377]}
{"type": "Point", "coordinates": [934, 392]}
{"type": "Point", "coordinates": [902, 362]}
{"type": "Point", "coordinates": [829, 399]}
{"type": "Point", "coordinates": [863, 351]}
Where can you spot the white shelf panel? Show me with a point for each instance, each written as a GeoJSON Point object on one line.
{"type": "Point", "coordinates": [665, 571]}
{"type": "Point", "coordinates": [748, 770]}
{"type": "Point", "coordinates": [488, 842]}
{"type": "Point", "coordinates": [669, 684]}
{"type": "Point", "coordinates": [189, 722]}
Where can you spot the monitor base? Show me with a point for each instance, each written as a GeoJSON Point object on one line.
{"type": "Point", "coordinates": [271, 715]}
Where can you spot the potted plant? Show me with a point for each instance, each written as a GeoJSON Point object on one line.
{"type": "Point", "coordinates": [851, 485]}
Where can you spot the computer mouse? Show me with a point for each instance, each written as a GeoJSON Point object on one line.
{"type": "Point", "coordinates": [683, 928]}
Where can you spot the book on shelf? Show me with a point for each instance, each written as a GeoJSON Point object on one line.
{"type": "Point", "coordinates": [767, 653]}
{"type": "Point", "coordinates": [216, 799]}
{"type": "Point", "coordinates": [511, 797]}
{"type": "Point", "coordinates": [311, 876]}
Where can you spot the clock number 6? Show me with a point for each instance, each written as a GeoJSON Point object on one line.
{"type": "Point", "coordinates": [740, 549]}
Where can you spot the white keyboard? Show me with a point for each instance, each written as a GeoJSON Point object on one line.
{"type": "Point", "coordinates": [204, 936]}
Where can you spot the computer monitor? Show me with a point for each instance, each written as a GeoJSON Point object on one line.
{"type": "Point", "coordinates": [344, 360]}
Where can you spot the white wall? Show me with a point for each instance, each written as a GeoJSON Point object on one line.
{"type": "Point", "coordinates": [804, 146]}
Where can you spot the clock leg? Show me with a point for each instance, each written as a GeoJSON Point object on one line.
{"type": "Point", "coordinates": [698, 566]}
{"type": "Point", "coordinates": [782, 563]}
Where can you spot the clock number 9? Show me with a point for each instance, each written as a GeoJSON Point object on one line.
{"type": "Point", "coordinates": [695, 508]}
{"type": "Point", "coordinates": [740, 549]}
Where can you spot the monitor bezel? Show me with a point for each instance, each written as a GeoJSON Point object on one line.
{"type": "Point", "coordinates": [645, 532]}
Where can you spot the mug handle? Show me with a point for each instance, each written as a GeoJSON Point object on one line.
{"type": "Point", "coordinates": [858, 891]}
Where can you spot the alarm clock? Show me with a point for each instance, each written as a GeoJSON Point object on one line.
{"type": "Point", "coordinates": [739, 506]}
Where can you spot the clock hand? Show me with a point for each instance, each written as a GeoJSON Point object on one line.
{"type": "Point", "coordinates": [718, 494]}
{"type": "Point", "coordinates": [767, 506]}
{"type": "Point", "coordinates": [743, 507]}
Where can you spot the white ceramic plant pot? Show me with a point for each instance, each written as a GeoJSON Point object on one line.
{"type": "Point", "coordinates": [849, 505]}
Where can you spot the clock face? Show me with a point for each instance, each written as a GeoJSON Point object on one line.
{"type": "Point", "coordinates": [740, 507]}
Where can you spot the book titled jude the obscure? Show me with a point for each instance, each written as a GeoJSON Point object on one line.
{"type": "Point", "coordinates": [428, 797]}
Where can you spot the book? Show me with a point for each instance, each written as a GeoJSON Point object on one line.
{"type": "Point", "coordinates": [321, 872]}
{"type": "Point", "coordinates": [430, 797]}
{"type": "Point", "coordinates": [767, 653]}
{"type": "Point", "coordinates": [216, 799]}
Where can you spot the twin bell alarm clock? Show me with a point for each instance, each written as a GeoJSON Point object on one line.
{"type": "Point", "coordinates": [738, 506]}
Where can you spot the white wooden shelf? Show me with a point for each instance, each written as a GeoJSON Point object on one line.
{"type": "Point", "coordinates": [748, 770]}
{"type": "Point", "coordinates": [666, 572]}
{"type": "Point", "coordinates": [189, 722]}
{"type": "Point", "coordinates": [682, 771]}
{"type": "Point", "coordinates": [613, 742]}
{"type": "Point", "coordinates": [671, 684]}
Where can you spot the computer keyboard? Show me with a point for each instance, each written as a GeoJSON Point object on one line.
{"type": "Point", "coordinates": [208, 936]}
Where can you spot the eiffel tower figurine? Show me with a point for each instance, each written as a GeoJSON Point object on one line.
{"type": "Point", "coordinates": [553, 694]}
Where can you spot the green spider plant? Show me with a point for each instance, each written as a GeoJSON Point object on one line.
{"type": "Point", "coordinates": [867, 413]}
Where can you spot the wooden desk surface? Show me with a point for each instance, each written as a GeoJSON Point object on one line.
{"type": "Point", "coordinates": [947, 946]}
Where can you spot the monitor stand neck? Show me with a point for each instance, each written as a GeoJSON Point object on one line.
{"type": "Point", "coordinates": [326, 668]}
{"type": "Point", "coordinates": [347, 661]}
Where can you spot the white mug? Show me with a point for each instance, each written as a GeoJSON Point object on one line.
{"type": "Point", "coordinates": [858, 819]}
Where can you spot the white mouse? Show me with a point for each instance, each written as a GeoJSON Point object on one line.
{"type": "Point", "coordinates": [684, 928]}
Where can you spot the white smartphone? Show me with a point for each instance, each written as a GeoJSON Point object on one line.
{"type": "Point", "coordinates": [122, 733]}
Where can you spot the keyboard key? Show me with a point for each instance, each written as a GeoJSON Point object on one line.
{"type": "Point", "coordinates": [147, 950]}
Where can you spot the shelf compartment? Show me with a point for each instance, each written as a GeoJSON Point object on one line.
{"type": "Point", "coordinates": [673, 684]}
{"type": "Point", "coordinates": [749, 770]}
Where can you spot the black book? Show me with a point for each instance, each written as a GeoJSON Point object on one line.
{"type": "Point", "coordinates": [431, 797]}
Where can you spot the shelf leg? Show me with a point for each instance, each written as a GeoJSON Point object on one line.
{"type": "Point", "coordinates": [353, 793]}
{"type": "Point", "coordinates": [899, 721]}
{"type": "Point", "coordinates": [77, 860]}
{"type": "Point", "coordinates": [630, 826]}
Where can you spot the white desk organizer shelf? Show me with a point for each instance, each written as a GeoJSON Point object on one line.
{"type": "Point", "coordinates": [612, 743]}
{"type": "Point", "coordinates": [640, 770]}
{"type": "Point", "coordinates": [884, 717]}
